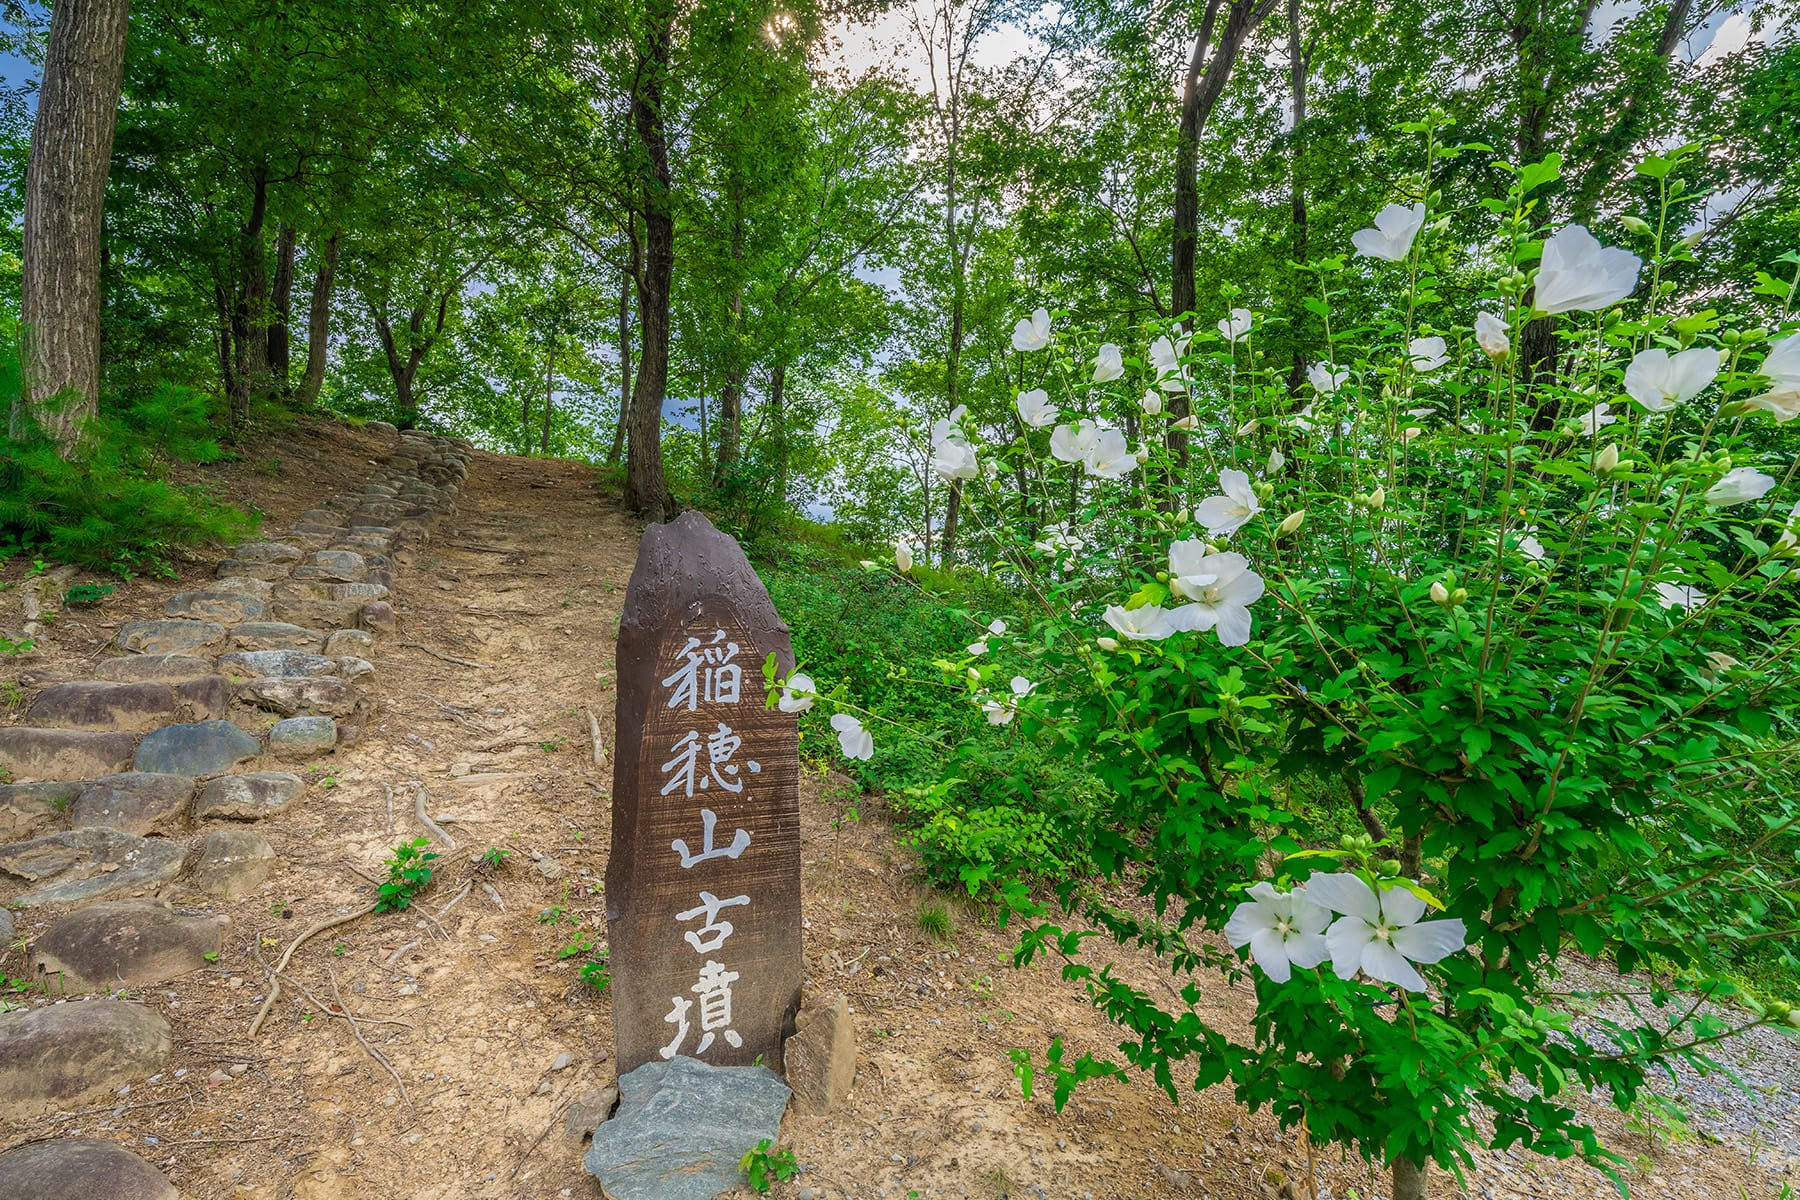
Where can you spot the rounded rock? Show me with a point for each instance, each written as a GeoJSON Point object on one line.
{"type": "Point", "coordinates": [303, 737]}
{"type": "Point", "coordinates": [78, 1168]}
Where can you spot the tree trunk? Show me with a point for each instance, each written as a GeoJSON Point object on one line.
{"type": "Point", "coordinates": [406, 371]}
{"type": "Point", "coordinates": [953, 356]}
{"type": "Point", "coordinates": [952, 517]}
{"type": "Point", "coordinates": [65, 193]}
{"type": "Point", "coordinates": [281, 296]}
{"type": "Point", "coordinates": [731, 397]}
{"type": "Point", "coordinates": [318, 324]}
{"type": "Point", "coordinates": [777, 401]}
{"type": "Point", "coordinates": [549, 398]}
{"type": "Point", "coordinates": [1410, 1180]}
{"type": "Point", "coordinates": [1298, 65]}
{"type": "Point", "coordinates": [1207, 75]}
{"type": "Point", "coordinates": [646, 489]}
{"type": "Point", "coordinates": [249, 312]}
{"type": "Point", "coordinates": [618, 442]}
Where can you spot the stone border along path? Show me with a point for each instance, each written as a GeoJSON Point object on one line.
{"type": "Point", "coordinates": [109, 775]}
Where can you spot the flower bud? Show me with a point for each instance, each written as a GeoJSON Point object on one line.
{"type": "Point", "coordinates": [1440, 594]}
{"type": "Point", "coordinates": [1459, 596]}
{"type": "Point", "coordinates": [1409, 433]}
{"type": "Point", "coordinates": [1608, 460]}
{"type": "Point", "coordinates": [903, 560]}
{"type": "Point", "coordinates": [1262, 491]}
{"type": "Point", "coordinates": [1106, 643]}
{"type": "Point", "coordinates": [1188, 422]}
{"type": "Point", "coordinates": [1636, 225]}
{"type": "Point", "coordinates": [1151, 403]}
{"type": "Point", "coordinates": [974, 674]}
{"type": "Point", "coordinates": [1390, 866]}
{"type": "Point", "coordinates": [1162, 577]}
{"type": "Point", "coordinates": [1248, 427]}
{"type": "Point", "coordinates": [1291, 523]}
{"type": "Point", "coordinates": [1378, 498]}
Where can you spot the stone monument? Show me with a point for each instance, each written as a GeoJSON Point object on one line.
{"type": "Point", "coordinates": [703, 886]}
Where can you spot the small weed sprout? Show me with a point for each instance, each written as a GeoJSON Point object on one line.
{"type": "Point", "coordinates": [493, 858]}
{"type": "Point", "coordinates": [762, 1166]}
{"type": "Point", "coordinates": [87, 595]}
{"type": "Point", "coordinates": [581, 945]}
{"type": "Point", "coordinates": [408, 873]}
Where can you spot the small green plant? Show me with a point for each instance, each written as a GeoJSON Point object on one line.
{"type": "Point", "coordinates": [493, 857]}
{"type": "Point", "coordinates": [762, 1166]}
{"type": "Point", "coordinates": [11, 694]}
{"type": "Point", "coordinates": [554, 745]}
{"type": "Point", "coordinates": [581, 945]}
{"type": "Point", "coordinates": [341, 949]}
{"type": "Point", "coordinates": [934, 920]}
{"type": "Point", "coordinates": [408, 873]}
{"type": "Point", "coordinates": [211, 956]}
{"type": "Point", "coordinates": [86, 595]}
{"type": "Point", "coordinates": [16, 647]}
{"type": "Point", "coordinates": [597, 971]}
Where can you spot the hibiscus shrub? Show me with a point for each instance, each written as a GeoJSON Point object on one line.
{"type": "Point", "coordinates": [1515, 572]}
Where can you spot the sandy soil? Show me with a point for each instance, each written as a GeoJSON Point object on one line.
{"type": "Point", "coordinates": [476, 1005]}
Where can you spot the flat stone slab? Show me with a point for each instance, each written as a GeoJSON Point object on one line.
{"type": "Point", "coordinates": [269, 552]}
{"type": "Point", "coordinates": [820, 1059]}
{"type": "Point", "coordinates": [316, 613]}
{"type": "Point", "coordinates": [276, 635]}
{"type": "Point", "coordinates": [359, 592]}
{"type": "Point", "coordinates": [323, 694]}
{"type": "Point", "coordinates": [29, 808]}
{"type": "Point", "coordinates": [356, 642]}
{"type": "Point", "coordinates": [125, 944]}
{"type": "Point", "coordinates": [240, 567]}
{"type": "Point", "coordinates": [227, 608]}
{"type": "Point", "coordinates": [249, 797]}
{"type": "Point", "coordinates": [167, 668]}
{"type": "Point", "coordinates": [300, 738]}
{"type": "Point", "coordinates": [682, 1128]}
{"type": "Point", "coordinates": [283, 664]}
{"type": "Point", "coordinates": [170, 636]}
{"type": "Point", "coordinates": [231, 863]}
{"type": "Point", "coordinates": [200, 749]}
{"type": "Point", "coordinates": [80, 1169]}
{"type": "Point", "coordinates": [84, 864]}
{"type": "Point", "coordinates": [133, 802]}
{"type": "Point", "coordinates": [346, 566]}
{"type": "Point", "coordinates": [57, 1055]}
{"type": "Point", "coordinates": [207, 698]}
{"type": "Point", "coordinates": [91, 704]}
{"type": "Point", "coordinates": [56, 754]}
{"type": "Point", "coordinates": [242, 584]}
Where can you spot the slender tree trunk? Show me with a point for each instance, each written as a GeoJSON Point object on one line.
{"type": "Point", "coordinates": [250, 313]}
{"type": "Point", "coordinates": [318, 324]}
{"type": "Point", "coordinates": [618, 442]}
{"type": "Point", "coordinates": [1410, 1180]}
{"type": "Point", "coordinates": [731, 397]}
{"type": "Point", "coordinates": [1207, 75]}
{"type": "Point", "coordinates": [281, 297]}
{"type": "Point", "coordinates": [1298, 65]}
{"type": "Point", "coordinates": [953, 357]}
{"type": "Point", "coordinates": [406, 371]}
{"type": "Point", "coordinates": [646, 489]}
{"type": "Point", "coordinates": [65, 193]}
{"type": "Point", "coordinates": [777, 401]}
{"type": "Point", "coordinates": [549, 398]}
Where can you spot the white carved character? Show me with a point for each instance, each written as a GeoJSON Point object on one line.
{"type": "Point", "coordinates": [677, 1015]}
{"type": "Point", "coordinates": [740, 842]}
{"type": "Point", "coordinates": [714, 990]}
{"type": "Point", "coordinates": [707, 674]}
{"type": "Point", "coordinates": [710, 936]}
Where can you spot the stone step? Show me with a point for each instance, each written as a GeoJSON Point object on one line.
{"type": "Point", "coordinates": [137, 802]}
{"type": "Point", "coordinates": [124, 944]}
{"type": "Point", "coordinates": [61, 1054]}
{"type": "Point", "coordinates": [168, 668]}
{"type": "Point", "coordinates": [231, 863]}
{"type": "Point", "coordinates": [170, 636]}
{"type": "Point", "coordinates": [276, 635]}
{"type": "Point", "coordinates": [28, 809]}
{"type": "Point", "coordinates": [227, 608]}
{"type": "Point", "coordinates": [128, 707]}
{"type": "Point", "coordinates": [251, 796]}
{"type": "Point", "coordinates": [77, 1168]}
{"type": "Point", "coordinates": [35, 755]}
{"type": "Point", "coordinates": [87, 864]}
{"type": "Point", "coordinates": [199, 749]}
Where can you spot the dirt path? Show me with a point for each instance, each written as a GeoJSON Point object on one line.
{"type": "Point", "coordinates": [475, 995]}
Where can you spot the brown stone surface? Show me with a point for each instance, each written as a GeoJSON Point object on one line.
{"type": "Point", "coordinates": [703, 882]}
{"type": "Point", "coordinates": [276, 635]}
{"type": "Point", "coordinates": [129, 707]}
{"type": "Point", "coordinates": [821, 1056]}
{"type": "Point", "coordinates": [377, 616]}
{"type": "Point", "coordinates": [133, 802]}
{"type": "Point", "coordinates": [124, 944]}
{"type": "Point", "coordinates": [172, 636]}
{"type": "Point", "coordinates": [169, 668]}
{"type": "Point", "coordinates": [207, 698]}
{"type": "Point", "coordinates": [80, 1169]}
{"type": "Point", "coordinates": [60, 1054]}
{"type": "Point", "coordinates": [27, 809]}
{"type": "Point", "coordinates": [84, 864]}
{"type": "Point", "coordinates": [38, 754]}
{"type": "Point", "coordinates": [231, 863]}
